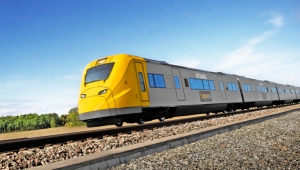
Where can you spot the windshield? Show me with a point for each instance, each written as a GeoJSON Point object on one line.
{"type": "Point", "coordinates": [98, 73]}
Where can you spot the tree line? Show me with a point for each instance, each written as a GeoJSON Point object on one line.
{"type": "Point", "coordinates": [34, 121]}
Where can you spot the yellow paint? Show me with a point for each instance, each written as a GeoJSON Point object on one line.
{"type": "Point", "coordinates": [93, 103]}
{"type": "Point", "coordinates": [141, 80]}
{"type": "Point", "coordinates": [123, 85]}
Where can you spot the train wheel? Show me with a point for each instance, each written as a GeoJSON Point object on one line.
{"type": "Point", "coordinates": [207, 113]}
{"type": "Point", "coordinates": [161, 119]}
{"type": "Point", "coordinates": [141, 121]}
{"type": "Point", "coordinates": [119, 124]}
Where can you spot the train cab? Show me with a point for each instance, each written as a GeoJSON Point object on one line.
{"type": "Point", "coordinates": [112, 86]}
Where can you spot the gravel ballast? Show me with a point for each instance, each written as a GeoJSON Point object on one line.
{"type": "Point", "coordinates": [273, 144]}
{"type": "Point", "coordinates": [51, 154]}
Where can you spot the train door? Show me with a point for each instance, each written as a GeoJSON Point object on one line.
{"type": "Point", "coordinates": [223, 93]}
{"type": "Point", "coordinates": [141, 79]}
{"type": "Point", "coordinates": [253, 85]}
{"type": "Point", "coordinates": [178, 84]}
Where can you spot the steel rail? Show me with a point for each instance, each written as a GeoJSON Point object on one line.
{"type": "Point", "coordinates": [14, 145]}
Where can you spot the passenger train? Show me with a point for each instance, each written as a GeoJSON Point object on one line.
{"type": "Point", "coordinates": [126, 88]}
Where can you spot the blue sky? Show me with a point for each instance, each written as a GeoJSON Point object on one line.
{"type": "Point", "coordinates": [44, 45]}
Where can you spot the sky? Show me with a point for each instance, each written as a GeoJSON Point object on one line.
{"type": "Point", "coordinates": [45, 45]}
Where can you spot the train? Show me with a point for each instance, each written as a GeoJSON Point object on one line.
{"type": "Point", "coordinates": [126, 88]}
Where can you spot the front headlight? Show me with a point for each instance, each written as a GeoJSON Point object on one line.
{"type": "Point", "coordinates": [102, 92]}
{"type": "Point", "coordinates": [83, 96]}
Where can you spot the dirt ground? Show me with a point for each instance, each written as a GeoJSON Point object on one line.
{"type": "Point", "coordinates": [63, 130]}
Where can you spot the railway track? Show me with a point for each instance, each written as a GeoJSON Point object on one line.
{"type": "Point", "coordinates": [15, 145]}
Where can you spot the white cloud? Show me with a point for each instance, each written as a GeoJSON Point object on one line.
{"type": "Point", "coordinates": [248, 62]}
{"type": "Point", "coordinates": [245, 54]}
{"type": "Point", "coordinates": [276, 20]}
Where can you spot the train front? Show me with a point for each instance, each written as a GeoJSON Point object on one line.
{"type": "Point", "coordinates": [107, 86]}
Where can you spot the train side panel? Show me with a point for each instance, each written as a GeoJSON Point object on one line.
{"type": "Point", "coordinates": [187, 91]}
{"type": "Point", "coordinates": [286, 93]}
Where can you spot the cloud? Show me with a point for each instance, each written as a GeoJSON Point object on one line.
{"type": "Point", "coordinates": [276, 20]}
{"type": "Point", "coordinates": [248, 61]}
{"type": "Point", "coordinates": [245, 59]}
{"type": "Point", "coordinates": [244, 55]}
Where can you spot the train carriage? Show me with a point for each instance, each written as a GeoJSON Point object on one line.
{"type": "Point", "coordinates": [286, 93]}
{"type": "Point", "coordinates": [126, 88]}
{"type": "Point", "coordinates": [189, 90]}
{"type": "Point", "coordinates": [256, 93]}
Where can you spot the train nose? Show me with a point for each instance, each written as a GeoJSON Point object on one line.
{"type": "Point", "coordinates": [95, 106]}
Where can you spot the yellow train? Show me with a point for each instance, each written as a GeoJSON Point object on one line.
{"type": "Point", "coordinates": [126, 88]}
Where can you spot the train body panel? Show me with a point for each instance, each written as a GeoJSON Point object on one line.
{"type": "Point", "coordinates": [286, 93]}
{"type": "Point", "coordinates": [125, 88]}
{"type": "Point", "coordinates": [186, 87]}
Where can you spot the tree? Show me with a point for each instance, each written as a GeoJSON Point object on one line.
{"type": "Point", "coordinates": [53, 123]}
{"type": "Point", "coordinates": [72, 118]}
{"type": "Point", "coordinates": [63, 119]}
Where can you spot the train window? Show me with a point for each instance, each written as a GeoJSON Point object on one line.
{"type": "Point", "coordinates": [196, 84]}
{"type": "Point", "coordinates": [98, 73]}
{"type": "Point", "coordinates": [262, 89]}
{"type": "Point", "coordinates": [232, 86]}
{"type": "Point", "coordinates": [156, 80]}
{"type": "Point", "coordinates": [279, 91]}
{"type": "Point", "coordinates": [142, 83]}
{"type": "Point", "coordinates": [159, 81]}
{"type": "Point", "coordinates": [235, 87]}
{"type": "Point", "coordinates": [274, 90]}
{"type": "Point", "coordinates": [199, 84]}
{"type": "Point", "coordinates": [287, 91]}
{"type": "Point", "coordinates": [211, 84]}
{"type": "Point", "coordinates": [253, 87]}
{"type": "Point", "coordinates": [186, 83]}
{"type": "Point", "coordinates": [229, 86]}
{"type": "Point", "coordinates": [246, 87]}
{"type": "Point", "coordinates": [151, 80]}
{"type": "Point", "coordinates": [177, 84]}
{"type": "Point", "coordinates": [221, 85]}
{"type": "Point", "coordinates": [205, 84]}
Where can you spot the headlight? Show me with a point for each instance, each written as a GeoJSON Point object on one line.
{"type": "Point", "coordinates": [83, 95]}
{"type": "Point", "coordinates": [102, 92]}
{"type": "Point", "coordinates": [101, 61]}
